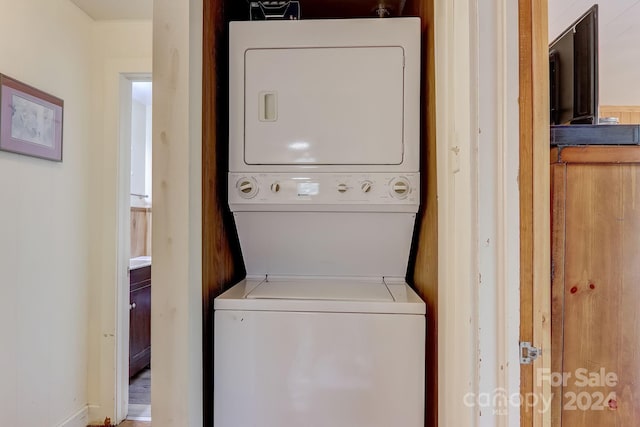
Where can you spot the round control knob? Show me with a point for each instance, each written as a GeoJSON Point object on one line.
{"type": "Point", "coordinates": [366, 186]}
{"type": "Point", "coordinates": [275, 187]}
{"type": "Point", "coordinates": [247, 187]}
{"type": "Point", "coordinates": [342, 188]}
{"type": "Point", "coordinates": [400, 188]}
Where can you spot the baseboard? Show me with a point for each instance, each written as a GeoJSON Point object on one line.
{"type": "Point", "coordinates": [79, 419]}
{"type": "Point", "coordinates": [96, 417]}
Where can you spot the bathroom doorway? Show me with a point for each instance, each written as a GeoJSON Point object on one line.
{"type": "Point", "coordinates": [136, 141]}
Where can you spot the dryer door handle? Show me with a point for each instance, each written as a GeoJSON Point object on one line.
{"type": "Point", "coordinates": [268, 106]}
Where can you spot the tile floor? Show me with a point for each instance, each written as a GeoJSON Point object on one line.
{"type": "Point", "coordinates": [140, 398]}
{"type": "Point", "coordinates": [140, 388]}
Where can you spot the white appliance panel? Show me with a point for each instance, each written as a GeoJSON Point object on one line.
{"type": "Point", "coordinates": [339, 106]}
{"type": "Point", "coordinates": [318, 369]}
{"type": "Point", "coordinates": [361, 72]}
{"type": "Point", "coordinates": [334, 244]}
{"type": "Point", "coordinates": [377, 192]}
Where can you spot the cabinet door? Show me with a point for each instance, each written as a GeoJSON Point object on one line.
{"type": "Point", "coordinates": [601, 296]}
{"type": "Point", "coordinates": [139, 329]}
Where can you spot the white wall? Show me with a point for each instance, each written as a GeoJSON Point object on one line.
{"type": "Point", "coordinates": [138, 147]}
{"type": "Point", "coordinates": [45, 234]}
{"type": "Point", "coordinates": [141, 144]}
{"type": "Point", "coordinates": [119, 48]}
{"type": "Point", "coordinates": [58, 263]}
{"type": "Point", "coordinates": [619, 50]}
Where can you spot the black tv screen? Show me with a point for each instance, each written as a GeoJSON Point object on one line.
{"type": "Point", "coordinates": [573, 72]}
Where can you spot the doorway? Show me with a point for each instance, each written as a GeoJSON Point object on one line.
{"type": "Point", "coordinates": [135, 247]}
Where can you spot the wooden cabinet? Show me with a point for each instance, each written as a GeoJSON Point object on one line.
{"type": "Point", "coordinates": [139, 319]}
{"type": "Point", "coordinates": [596, 286]}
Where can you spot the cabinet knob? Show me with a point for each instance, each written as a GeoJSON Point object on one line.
{"type": "Point", "coordinates": [132, 306]}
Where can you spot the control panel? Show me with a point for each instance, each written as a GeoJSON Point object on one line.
{"type": "Point", "coordinates": [324, 189]}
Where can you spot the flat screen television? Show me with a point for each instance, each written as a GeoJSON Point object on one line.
{"type": "Point", "coordinates": [573, 72]}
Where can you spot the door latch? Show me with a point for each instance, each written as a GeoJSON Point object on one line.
{"type": "Point", "coordinates": [528, 353]}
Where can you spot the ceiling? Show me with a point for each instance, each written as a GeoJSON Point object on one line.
{"type": "Point", "coordinates": [616, 19]}
{"type": "Point", "coordinates": [107, 10]}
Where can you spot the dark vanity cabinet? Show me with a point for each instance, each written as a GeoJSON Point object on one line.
{"type": "Point", "coordinates": [140, 319]}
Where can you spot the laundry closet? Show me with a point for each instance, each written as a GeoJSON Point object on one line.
{"type": "Point", "coordinates": [270, 200]}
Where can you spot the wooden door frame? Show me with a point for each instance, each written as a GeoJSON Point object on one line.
{"type": "Point", "coordinates": [456, 213]}
{"type": "Point", "coordinates": [535, 223]}
{"type": "Point", "coordinates": [454, 129]}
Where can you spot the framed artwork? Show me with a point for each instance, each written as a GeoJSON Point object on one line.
{"type": "Point", "coordinates": [30, 120]}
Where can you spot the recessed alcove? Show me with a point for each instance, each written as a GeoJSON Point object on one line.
{"type": "Point", "coordinates": [222, 260]}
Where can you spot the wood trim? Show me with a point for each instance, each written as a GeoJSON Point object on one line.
{"type": "Point", "coordinates": [456, 135]}
{"type": "Point", "coordinates": [623, 108]}
{"type": "Point", "coordinates": [221, 259]}
{"type": "Point", "coordinates": [140, 209]}
{"type": "Point", "coordinates": [558, 201]}
{"type": "Point", "coordinates": [626, 114]}
{"type": "Point", "coordinates": [599, 154]}
{"type": "Point", "coordinates": [526, 199]}
{"type": "Point", "coordinates": [423, 270]}
{"type": "Point", "coordinates": [534, 201]}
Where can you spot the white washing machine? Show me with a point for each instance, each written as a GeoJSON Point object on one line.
{"type": "Point", "coordinates": [324, 186]}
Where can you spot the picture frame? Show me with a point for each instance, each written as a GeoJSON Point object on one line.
{"type": "Point", "coordinates": [30, 120]}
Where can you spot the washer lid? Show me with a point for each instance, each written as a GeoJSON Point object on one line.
{"type": "Point", "coordinates": [321, 289]}
{"type": "Point", "coordinates": [329, 294]}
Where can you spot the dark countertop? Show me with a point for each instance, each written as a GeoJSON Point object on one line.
{"type": "Point", "coordinates": [595, 135]}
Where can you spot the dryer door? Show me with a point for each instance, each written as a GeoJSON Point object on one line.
{"type": "Point", "coordinates": [324, 106]}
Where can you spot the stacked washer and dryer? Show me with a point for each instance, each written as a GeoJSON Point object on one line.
{"type": "Point", "coordinates": [324, 187]}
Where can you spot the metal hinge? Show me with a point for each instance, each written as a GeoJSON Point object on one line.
{"type": "Point", "coordinates": [528, 353]}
